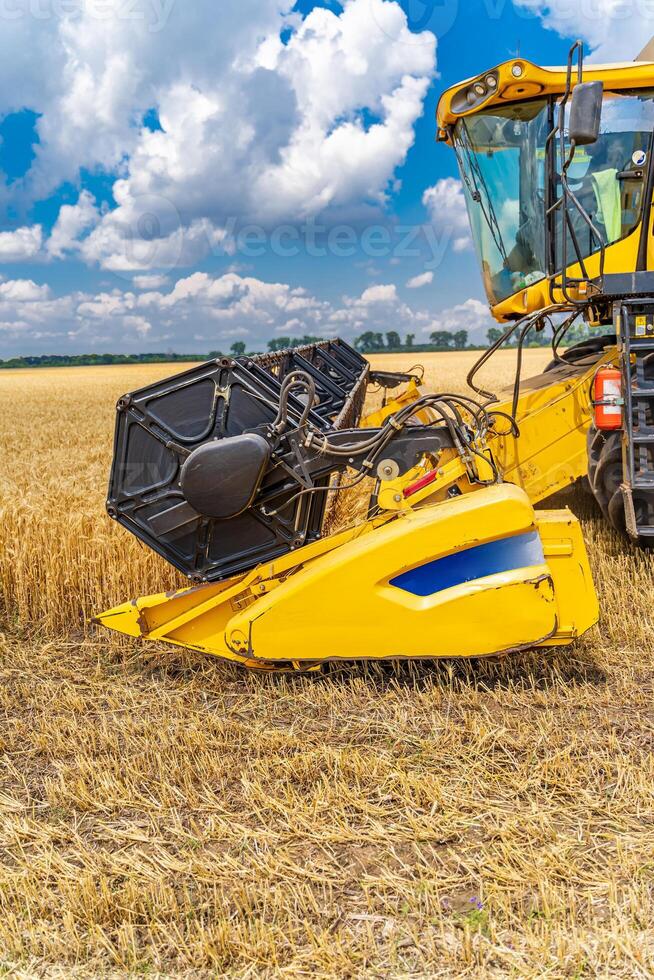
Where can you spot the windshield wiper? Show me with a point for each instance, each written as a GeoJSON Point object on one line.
{"type": "Point", "coordinates": [474, 172]}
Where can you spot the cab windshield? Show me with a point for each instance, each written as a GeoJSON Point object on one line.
{"type": "Point", "coordinates": [506, 162]}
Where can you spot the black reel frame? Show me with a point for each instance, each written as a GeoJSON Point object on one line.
{"type": "Point", "coordinates": [230, 464]}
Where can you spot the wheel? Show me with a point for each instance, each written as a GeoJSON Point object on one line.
{"type": "Point", "coordinates": [605, 474]}
{"type": "Point", "coordinates": [594, 442]}
{"type": "Point", "coordinates": [585, 348]}
{"type": "Point", "coordinates": [605, 471]}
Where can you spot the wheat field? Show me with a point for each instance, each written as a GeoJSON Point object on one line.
{"type": "Point", "coordinates": [167, 815]}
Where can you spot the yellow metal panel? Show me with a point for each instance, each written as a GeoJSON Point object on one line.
{"type": "Point", "coordinates": [344, 606]}
{"type": "Point", "coordinates": [554, 415]}
{"type": "Point", "coordinates": [340, 603]}
{"type": "Point", "coordinates": [565, 554]}
{"type": "Point", "coordinates": [407, 396]}
{"type": "Point", "coordinates": [197, 617]}
{"type": "Point", "coordinates": [538, 81]}
{"type": "Point", "coordinates": [620, 257]}
{"type": "Point", "coordinates": [504, 612]}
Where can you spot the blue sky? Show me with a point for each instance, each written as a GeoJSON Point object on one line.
{"type": "Point", "coordinates": [175, 177]}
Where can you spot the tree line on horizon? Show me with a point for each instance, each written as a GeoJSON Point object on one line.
{"type": "Point", "coordinates": [370, 342]}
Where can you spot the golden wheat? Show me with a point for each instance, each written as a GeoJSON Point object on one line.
{"type": "Point", "coordinates": [165, 814]}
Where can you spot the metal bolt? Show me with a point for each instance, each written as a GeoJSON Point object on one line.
{"type": "Point", "coordinates": [397, 498]}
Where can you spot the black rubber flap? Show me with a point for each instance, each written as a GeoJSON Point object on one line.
{"type": "Point", "coordinates": [220, 479]}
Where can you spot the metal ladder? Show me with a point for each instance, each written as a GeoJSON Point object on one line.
{"type": "Point", "coordinates": [634, 320]}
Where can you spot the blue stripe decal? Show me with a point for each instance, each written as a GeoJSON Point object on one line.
{"type": "Point", "coordinates": [505, 555]}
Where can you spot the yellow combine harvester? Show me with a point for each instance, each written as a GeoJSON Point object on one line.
{"type": "Point", "coordinates": [226, 470]}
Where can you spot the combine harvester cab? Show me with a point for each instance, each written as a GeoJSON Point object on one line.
{"type": "Point", "coordinates": [230, 470]}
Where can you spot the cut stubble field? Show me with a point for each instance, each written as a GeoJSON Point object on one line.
{"type": "Point", "coordinates": [163, 813]}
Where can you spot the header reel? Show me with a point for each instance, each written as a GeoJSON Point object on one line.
{"type": "Point", "coordinates": [229, 464]}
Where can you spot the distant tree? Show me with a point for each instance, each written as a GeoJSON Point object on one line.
{"type": "Point", "coordinates": [577, 332]}
{"type": "Point", "coordinates": [369, 342]}
{"type": "Point", "coordinates": [442, 338]}
{"type": "Point", "coordinates": [393, 339]}
{"type": "Point", "coordinates": [461, 339]}
{"type": "Point", "coordinates": [410, 337]}
{"type": "Point", "coordinates": [84, 360]}
{"type": "Point", "coordinates": [238, 348]}
{"type": "Point", "coordinates": [493, 335]}
{"type": "Point", "coordinates": [279, 343]}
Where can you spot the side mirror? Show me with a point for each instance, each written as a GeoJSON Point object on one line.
{"type": "Point", "coordinates": [586, 112]}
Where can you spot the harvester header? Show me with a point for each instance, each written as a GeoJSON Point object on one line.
{"type": "Point", "coordinates": [230, 471]}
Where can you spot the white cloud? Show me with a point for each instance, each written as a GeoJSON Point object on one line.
{"type": "Point", "coordinates": [616, 30]}
{"type": "Point", "coordinates": [138, 324]}
{"type": "Point", "coordinates": [145, 234]}
{"type": "Point", "coordinates": [336, 66]}
{"type": "Point", "coordinates": [23, 291]}
{"type": "Point", "coordinates": [252, 128]}
{"type": "Point", "coordinates": [447, 210]}
{"type": "Point", "coordinates": [473, 316]}
{"type": "Point", "coordinates": [150, 282]}
{"type": "Point", "coordinates": [378, 294]}
{"type": "Point", "coordinates": [203, 312]}
{"type": "Point", "coordinates": [73, 221]}
{"type": "Point", "coordinates": [107, 305]}
{"type": "Point", "coordinates": [21, 245]}
{"type": "Point", "coordinates": [424, 279]}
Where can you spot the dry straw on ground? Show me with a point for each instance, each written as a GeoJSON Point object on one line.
{"type": "Point", "coordinates": [164, 814]}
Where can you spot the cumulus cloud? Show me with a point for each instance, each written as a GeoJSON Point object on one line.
{"type": "Point", "coordinates": [73, 221]}
{"type": "Point", "coordinates": [336, 66]}
{"type": "Point", "coordinates": [446, 206]}
{"type": "Point", "coordinates": [417, 282]}
{"type": "Point", "coordinates": [616, 30]}
{"type": "Point", "coordinates": [23, 291]}
{"type": "Point", "coordinates": [472, 315]}
{"type": "Point", "coordinates": [250, 126]}
{"type": "Point", "coordinates": [203, 312]}
{"type": "Point", "coordinates": [378, 294]}
{"type": "Point", "coordinates": [150, 282]}
{"type": "Point", "coordinates": [145, 234]}
{"type": "Point", "coordinates": [21, 245]}
{"type": "Point", "coordinates": [30, 315]}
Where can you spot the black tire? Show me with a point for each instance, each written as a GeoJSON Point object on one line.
{"type": "Point", "coordinates": [595, 443]}
{"type": "Point", "coordinates": [592, 346]}
{"type": "Point", "coordinates": [605, 475]}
